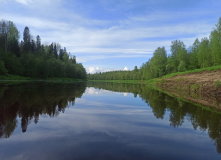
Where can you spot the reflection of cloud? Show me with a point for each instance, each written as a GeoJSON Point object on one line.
{"type": "Point", "coordinates": [105, 125]}
{"type": "Point", "coordinates": [88, 130]}
{"type": "Point", "coordinates": [96, 91]}
{"type": "Point", "coordinates": [125, 94]}
{"type": "Point", "coordinates": [91, 91]}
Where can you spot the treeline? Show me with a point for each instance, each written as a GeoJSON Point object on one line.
{"type": "Point", "coordinates": [116, 75]}
{"type": "Point", "coordinates": [31, 58]}
{"type": "Point", "coordinates": [203, 53]}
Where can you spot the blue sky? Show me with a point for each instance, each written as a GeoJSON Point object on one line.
{"type": "Point", "coordinates": [113, 34]}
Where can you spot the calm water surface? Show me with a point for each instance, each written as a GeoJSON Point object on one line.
{"type": "Point", "coordinates": [103, 121]}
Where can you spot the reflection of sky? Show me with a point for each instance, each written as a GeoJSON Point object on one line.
{"type": "Point", "coordinates": [95, 91]}
{"type": "Point", "coordinates": [107, 126]}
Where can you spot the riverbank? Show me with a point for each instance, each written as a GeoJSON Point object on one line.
{"type": "Point", "coordinates": [202, 87]}
{"type": "Point", "coordinates": [19, 79]}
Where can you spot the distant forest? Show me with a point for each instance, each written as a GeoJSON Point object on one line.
{"type": "Point", "coordinates": [203, 53]}
{"type": "Point", "coordinates": [31, 58]}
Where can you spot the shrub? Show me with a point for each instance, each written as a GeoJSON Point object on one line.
{"type": "Point", "coordinates": [3, 70]}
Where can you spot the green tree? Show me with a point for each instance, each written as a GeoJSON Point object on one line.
{"type": "Point", "coordinates": [158, 62]}
{"type": "Point", "coordinates": [170, 66]}
{"type": "Point", "coordinates": [178, 54]}
{"type": "Point", "coordinates": [26, 40]}
{"type": "Point", "coordinates": [38, 43]}
{"type": "Point", "coordinates": [13, 33]}
{"type": "Point", "coordinates": [3, 70]}
{"type": "Point", "coordinates": [215, 43]}
{"type": "Point", "coordinates": [9, 36]}
{"type": "Point", "coordinates": [3, 35]}
{"type": "Point", "coordinates": [135, 69]}
{"type": "Point", "coordinates": [193, 55]}
{"type": "Point", "coordinates": [204, 56]}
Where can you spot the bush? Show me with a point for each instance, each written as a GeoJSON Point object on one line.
{"type": "Point", "coordinates": [3, 70]}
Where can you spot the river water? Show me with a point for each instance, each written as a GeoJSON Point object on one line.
{"type": "Point", "coordinates": [103, 121]}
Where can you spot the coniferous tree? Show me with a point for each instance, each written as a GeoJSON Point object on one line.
{"type": "Point", "coordinates": [38, 43]}
{"type": "Point", "coordinates": [61, 54]}
{"type": "Point", "coordinates": [33, 46]}
{"type": "Point", "coordinates": [14, 47]}
{"type": "Point", "coordinates": [51, 49]}
{"type": "Point", "coordinates": [55, 52]}
{"type": "Point", "coordinates": [26, 40]}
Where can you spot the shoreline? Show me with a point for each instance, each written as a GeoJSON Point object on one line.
{"type": "Point", "coordinates": [20, 79]}
{"type": "Point", "coordinates": [198, 86]}
{"type": "Point", "coordinates": [203, 87]}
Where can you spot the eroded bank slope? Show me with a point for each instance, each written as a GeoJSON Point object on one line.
{"type": "Point", "coordinates": [202, 87]}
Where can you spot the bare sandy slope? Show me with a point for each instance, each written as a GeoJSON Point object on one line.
{"type": "Point", "coordinates": [202, 87]}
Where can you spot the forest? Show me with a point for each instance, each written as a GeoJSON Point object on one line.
{"type": "Point", "coordinates": [31, 58]}
{"type": "Point", "coordinates": [202, 53]}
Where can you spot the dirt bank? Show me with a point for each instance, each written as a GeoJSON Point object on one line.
{"type": "Point", "coordinates": [201, 87]}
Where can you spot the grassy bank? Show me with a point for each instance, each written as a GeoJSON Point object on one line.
{"type": "Point", "coordinates": [156, 80]}
{"type": "Point", "coordinates": [151, 82]}
{"type": "Point", "coordinates": [10, 77]}
{"type": "Point", "coordinates": [17, 79]}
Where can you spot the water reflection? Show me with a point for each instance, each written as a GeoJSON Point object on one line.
{"type": "Point", "coordinates": [107, 122]}
{"type": "Point", "coordinates": [179, 111]}
{"type": "Point", "coordinates": [30, 100]}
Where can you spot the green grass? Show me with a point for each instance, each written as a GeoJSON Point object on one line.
{"type": "Point", "coordinates": [217, 83]}
{"type": "Point", "coordinates": [17, 79]}
{"type": "Point", "coordinates": [156, 80]}
{"type": "Point", "coordinates": [13, 77]}
{"type": "Point", "coordinates": [151, 82]}
{"type": "Point", "coordinates": [193, 71]}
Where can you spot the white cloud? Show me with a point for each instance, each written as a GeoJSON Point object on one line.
{"type": "Point", "coordinates": [91, 38]}
{"type": "Point", "coordinates": [125, 68]}
{"type": "Point", "coordinates": [93, 70]}
{"type": "Point", "coordinates": [25, 2]}
{"type": "Point", "coordinates": [104, 68]}
{"type": "Point", "coordinates": [135, 40]}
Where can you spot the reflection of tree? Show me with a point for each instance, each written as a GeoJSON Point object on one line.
{"type": "Point", "coordinates": [156, 102]}
{"type": "Point", "coordinates": [199, 117]}
{"type": "Point", "coordinates": [8, 120]}
{"type": "Point", "coordinates": [29, 101]}
{"type": "Point", "coordinates": [179, 110]}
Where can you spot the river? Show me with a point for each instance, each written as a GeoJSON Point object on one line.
{"type": "Point", "coordinates": [103, 121]}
